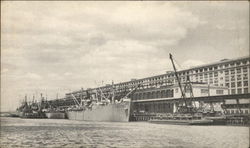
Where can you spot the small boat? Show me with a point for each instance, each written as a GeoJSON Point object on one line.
{"type": "Point", "coordinates": [221, 120]}
{"type": "Point", "coordinates": [183, 122]}
{"type": "Point", "coordinates": [181, 119]}
{"type": "Point", "coordinates": [33, 115]}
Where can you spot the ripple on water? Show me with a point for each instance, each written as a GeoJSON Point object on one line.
{"type": "Point", "coordinates": [17, 132]}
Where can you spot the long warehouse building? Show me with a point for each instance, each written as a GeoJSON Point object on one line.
{"type": "Point", "coordinates": [157, 94]}
{"type": "Point", "coordinates": [233, 74]}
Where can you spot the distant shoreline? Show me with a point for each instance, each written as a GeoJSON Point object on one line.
{"type": "Point", "coordinates": [8, 114]}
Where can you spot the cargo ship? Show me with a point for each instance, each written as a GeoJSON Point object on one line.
{"type": "Point", "coordinates": [104, 109]}
{"type": "Point", "coordinates": [54, 112]}
{"type": "Point", "coordinates": [115, 112]}
{"type": "Point", "coordinates": [32, 109]}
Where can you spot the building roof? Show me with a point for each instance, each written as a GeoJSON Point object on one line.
{"type": "Point", "coordinates": [219, 62]}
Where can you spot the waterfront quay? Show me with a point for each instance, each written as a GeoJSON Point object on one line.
{"type": "Point", "coordinates": [224, 84]}
{"type": "Point", "coordinates": [17, 132]}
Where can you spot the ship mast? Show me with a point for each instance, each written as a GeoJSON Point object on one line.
{"type": "Point", "coordinates": [113, 93]}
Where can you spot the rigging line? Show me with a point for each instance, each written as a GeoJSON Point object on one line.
{"type": "Point", "coordinates": [102, 95]}
{"type": "Point", "coordinates": [180, 68]}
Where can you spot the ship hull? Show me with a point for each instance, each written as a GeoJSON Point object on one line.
{"type": "Point", "coordinates": [55, 115]}
{"type": "Point", "coordinates": [119, 112]}
{"type": "Point", "coordinates": [32, 115]}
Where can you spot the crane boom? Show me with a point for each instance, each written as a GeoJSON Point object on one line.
{"type": "Point", "coordinates": [178, 79]}
{"type": "Point", "coordinates": [133, 90]}
{"type": "Point", "coordinates": [75, 100]}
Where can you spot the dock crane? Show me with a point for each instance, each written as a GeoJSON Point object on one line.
{"type": "Point", "coordinates": [183, 108]}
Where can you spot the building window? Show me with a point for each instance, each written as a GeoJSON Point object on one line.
{"type": "Point", "coordinates": [158, 94]}
{"type": "Point", "coordinates": [226, 65]}
{"type": "Point", "coordinates": [136, 96]}
{"type": "Point", "coordinates": [219, 92]}
{"type": "Point", "coordinates": [245, 90]}
{"type": "Point", "coordinates": [187, 89]}
{"type": "Point", "coordinates": [204, 91]}
{"type": "Point", "coordinates": [163, 94]}
{"type": "Point", "coordinates": [238, 77]}
{"type": "Point", "coordinates": [205, 76]}
{"type": "Point", "coordinates": [245, 83]}
{"type": "Point", "coordinates": [239, 91]}
{"type": "Point", "coordinates": [244, 69]}
{"type": "Point", "coordinates": [232, 71]}
{"type": "Point", "coordinates": [245, 77]}
{"type": "Point", "coordinates": [227, 84]}
{"type": "Point", "coordinates": [153, 94]}
{"type": "Point", "coordinates": [226, 72]}
{"type": "Point", "coordinates": [216, 74]}
{"type": "Point", "coordinates": [176, 90]}
{"type": "Point", "coordinates": [139, 96]}
{"type": "Point", "coordinates": [150, 95]}
{"type": "Point", "coordinates": [246, 111]}
{"type": "Point", "coordinates": [238, 70]}
{"type": "Point", "coordinates": [232, 78]}
{"type": "Point", "coordinates": [169, 93]}
{"type": "Point", "coordinates": [211, 81]}
{"type": "Point", "coordinates": [232, 91]}
{"type": "Point", "coordinates": [239, 84]}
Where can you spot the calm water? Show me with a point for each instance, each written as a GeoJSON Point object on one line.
{"type": "Point", "coordinates": [16, 132]}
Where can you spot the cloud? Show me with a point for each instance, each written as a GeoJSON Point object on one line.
{"type": "Point", "coordinates": [4, 70]}
{"type": "Point", "coordinates": [33, 76]}
{"type": "Point", "coordinates": [68, 74]}
{"type": "Point", "coordinates": [192, 63]}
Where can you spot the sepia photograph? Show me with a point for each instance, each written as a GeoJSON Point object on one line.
{"type": "Point", "coordinates": [125, 74]}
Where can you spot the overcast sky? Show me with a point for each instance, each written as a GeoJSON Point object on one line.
{"type": "Point", "coordinates": [57, 47]}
